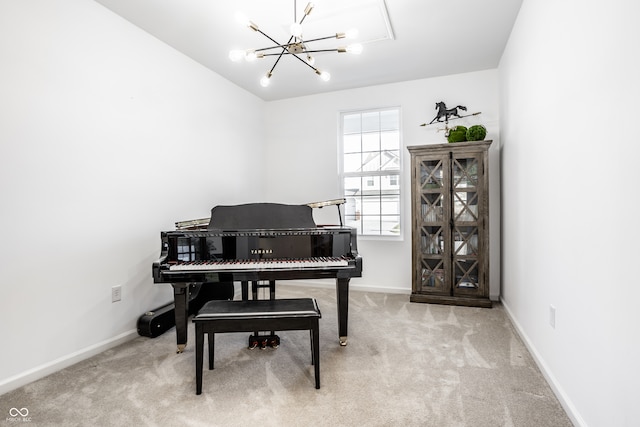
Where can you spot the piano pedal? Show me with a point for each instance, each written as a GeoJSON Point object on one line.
{"type": "Point", "coordinates": [264, 341]}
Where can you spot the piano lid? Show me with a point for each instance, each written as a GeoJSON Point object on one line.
{"type": "Point", "coordinates": [261, 216]}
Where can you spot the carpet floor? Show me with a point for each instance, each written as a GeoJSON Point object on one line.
{"type": "Point", "coordinates": [406, 364]}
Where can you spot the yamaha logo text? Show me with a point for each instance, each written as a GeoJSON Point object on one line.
{"type": "Point", "coordinates": [261, 251]}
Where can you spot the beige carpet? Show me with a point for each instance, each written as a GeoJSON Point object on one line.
{"type": "Point", "coordinates": [406, 364]}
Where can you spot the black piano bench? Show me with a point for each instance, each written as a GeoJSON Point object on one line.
{"type": "Point", "coordinates": [256, 315]}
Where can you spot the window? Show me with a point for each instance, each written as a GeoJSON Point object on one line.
{"type": "Point", "coordinates": [371, 170]}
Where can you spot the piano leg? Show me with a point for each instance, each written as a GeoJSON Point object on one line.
{"type": "Point", "coordinates": [342, 293]}
{"type": "Point", "coordinates": [181, 302]}
{"type": "Point", "coordinates": [254, 290]}
{"type": "Point", "coordinates": [245, 290]}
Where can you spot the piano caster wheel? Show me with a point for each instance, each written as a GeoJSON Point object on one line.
{"type": "Point", "coordinates": [180, 348]}
{"type": "Point", "coordinates": [343, 341]}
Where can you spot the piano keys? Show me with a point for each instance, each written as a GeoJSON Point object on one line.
{"type": "Point", "coordinates": [255, 242]}
{"type": "Point", "coordinates": [260, 264]}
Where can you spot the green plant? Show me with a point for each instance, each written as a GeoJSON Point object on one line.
{"type": "Point", "coordinates": [476, 133]}
{"type": "Point", "coordinates": [457, 134]}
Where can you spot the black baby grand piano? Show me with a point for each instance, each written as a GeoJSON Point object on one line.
{"type": "Point", "coordinates": [257, 242]}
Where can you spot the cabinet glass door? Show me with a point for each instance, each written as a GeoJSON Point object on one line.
{"type": "Point", "coordinates": [433, 221]}
{"type": "Point", "coordinates": [466, 225]}
{"type": "Point", "coordinates": [450, 230]}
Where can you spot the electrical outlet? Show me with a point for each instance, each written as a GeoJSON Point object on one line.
{"type": "Point", "coordinates": [116, 293]}
{"type": "Point", "coordinates": [552, 316]}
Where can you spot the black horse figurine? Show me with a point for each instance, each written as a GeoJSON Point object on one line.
{"type": "Point", "coordinates": [443, 113]}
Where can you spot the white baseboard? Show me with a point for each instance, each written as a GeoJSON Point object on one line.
{"type": "Point", "coordinates": [42, 371]}
{"type": "Point", "coordinates": [565, 401]}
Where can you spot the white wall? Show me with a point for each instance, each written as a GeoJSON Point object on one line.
{"type": "Point", "coordinates": [569, 113]}
{"type": "Point", "coordinates": [302, 136]}
{"type": "Point", "coordinates": [107, 136]}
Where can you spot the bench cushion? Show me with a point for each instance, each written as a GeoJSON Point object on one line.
{"type": "Point", "coordinates": [258, 309]}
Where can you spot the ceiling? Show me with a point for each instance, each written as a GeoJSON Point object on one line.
{"type": "Point", "coordinates": [402, 39]}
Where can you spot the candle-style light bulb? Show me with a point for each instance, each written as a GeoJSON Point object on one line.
{"type": "Point", "coordinates": [265, 80]}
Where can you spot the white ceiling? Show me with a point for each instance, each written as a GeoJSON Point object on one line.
{"type": "Point", "coordinates": [421, 39]}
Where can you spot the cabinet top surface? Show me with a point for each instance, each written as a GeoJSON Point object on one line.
{"type": "Point", "coordinates": [451, 146]}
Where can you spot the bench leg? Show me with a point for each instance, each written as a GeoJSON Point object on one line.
{"type": "Point", "coordinates": [199, 357]}
{"type": "Point", "coordinates": [316, 351]}
{"type": "Point", "coordinates": [212, 340]}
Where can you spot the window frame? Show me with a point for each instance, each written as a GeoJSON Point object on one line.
{"type": "Point", "coordinates": [378, 173]}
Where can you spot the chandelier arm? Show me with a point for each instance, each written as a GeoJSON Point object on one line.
{"type": "Point", "coordinates": [305, 62]}
{"type": "Point", "coordinates": [279, 46]}
{"type": "Point", "coordinates": [293, 54]}
{"type": "Point", "coordinates": [302, 19]}
{"type": "Point", "coordinates": [284, 47]}
{"type": "Point", "coordinates": [274, 64]}
{"type": "Point", "coordinates": [305, 52]}
{"type": "Point", "coordinates": [318, 39]}
{"type": "Point", "coordinates": [321, 50]}
{"type": "Point", "coordinates": [299, 23]}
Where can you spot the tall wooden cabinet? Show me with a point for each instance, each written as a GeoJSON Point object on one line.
{"type": "Point", "coordinates": [450, 223]}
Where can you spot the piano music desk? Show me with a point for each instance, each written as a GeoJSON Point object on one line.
{"type": "Point", "coordinates": [246, 316]}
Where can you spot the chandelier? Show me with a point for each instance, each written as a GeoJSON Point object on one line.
{"type": "Point", "coordinates": [297, 46]}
